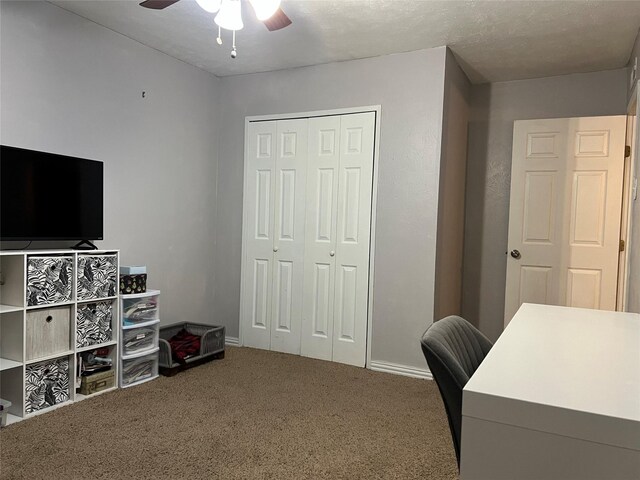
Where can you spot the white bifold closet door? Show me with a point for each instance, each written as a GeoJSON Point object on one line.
{"type": "Point", "coordinates": [274, 208]}
{"type": "Point", "coordinates": [308, 190]}
{"type": "Point", "coordinates": [337, 237]}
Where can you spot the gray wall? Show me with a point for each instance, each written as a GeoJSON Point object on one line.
{"type": "Point", "coordinates": [494, 107]}
{"type": "Point", "coordinates": [410, 89]}
{"type": "Point", "coordinates": [634, 56]}
{"type": "Point", "coordinates": [633, 303]}
{"type": "Point", "coordinates": [453, 164]}
{"type": "Point", "coordinates": [72, 87]}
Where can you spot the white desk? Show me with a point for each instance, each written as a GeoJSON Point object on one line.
{"type": "Point", "coordinates": [557, 397]}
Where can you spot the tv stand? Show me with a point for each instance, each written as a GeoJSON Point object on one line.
{"type": "Point", "coordinates": [84, 245]}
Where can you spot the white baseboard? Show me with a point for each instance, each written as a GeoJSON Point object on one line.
{"type": "Point", "coordinates": [400, 370]}
{"type": "Point", "coordinates": [232, 341]}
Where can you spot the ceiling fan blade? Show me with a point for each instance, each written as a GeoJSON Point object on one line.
{"type": "Point", "coordinates": [277, 21]}
{"type": "Point", "coordinates": [157, 4]}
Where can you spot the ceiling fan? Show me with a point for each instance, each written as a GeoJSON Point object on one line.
{"type": "Point", "coordinates": [267, 11]}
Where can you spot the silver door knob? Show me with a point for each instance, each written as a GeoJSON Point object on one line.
{"type": "Point", "coordinates": [275, 249]}
{"type": "Point", "coordinates": [332, 253]}
{"type": "Point", "coordinates": [515, 254]}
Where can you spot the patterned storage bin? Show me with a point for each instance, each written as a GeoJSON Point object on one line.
{"type": "Point", "coordinates": [133, 283]}
{"type": "Point", "coordinates": [97, 276]}
{"type": "Point", "coordinates": [46, 384]}
{"type": "Point", "coordinates": [49, 280]}
{"type": "Point", "coordinates": [94, 323]}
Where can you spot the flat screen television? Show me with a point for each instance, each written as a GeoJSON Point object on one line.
{"type": "Point", "coordinates": [44, 196]}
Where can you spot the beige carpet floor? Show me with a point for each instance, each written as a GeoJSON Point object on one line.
{"type": "Point", "coordinates": [252, 415]}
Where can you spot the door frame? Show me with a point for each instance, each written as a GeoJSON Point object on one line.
{"type": "Point", "coordinates": [377, 109]}
{"type": "Point", "coordinates": [633, 110]}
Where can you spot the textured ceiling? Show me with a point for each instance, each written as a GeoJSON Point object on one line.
{"type": "Point", "coordinates": [493, 40]}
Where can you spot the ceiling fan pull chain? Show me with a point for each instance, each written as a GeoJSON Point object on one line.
{"type": "Point", "coordinates": [234, 52]}
{"type": "Point", "coordinates": [219, 39]}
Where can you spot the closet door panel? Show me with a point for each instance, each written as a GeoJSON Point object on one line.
{"type": "Point", "coordinates": [355, 179]}
{"type": "Point", "coordinates": [320, 237]}
{"type": "Point", "coordinates": [288, 245]}
{"type": "Point", "coordinates": [259, 200]}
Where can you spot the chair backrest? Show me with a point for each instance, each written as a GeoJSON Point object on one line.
{"type": "Point", "coordinates": [454, 350]}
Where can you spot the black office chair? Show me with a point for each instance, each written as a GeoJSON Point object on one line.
{"type": "Point", "coordinates": [454, 350]}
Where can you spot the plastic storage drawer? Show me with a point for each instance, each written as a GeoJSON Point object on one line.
{"type": "Point", "coordinates": [140, 339]}
{"type": "Point", "coordinates": [139, 309]}
{"type": "Point", "coordinates": [49, 280]}
{"type": "Point", "coordinates": [139, 368]}
{"type": "Point", "coordinates": [97, 276]}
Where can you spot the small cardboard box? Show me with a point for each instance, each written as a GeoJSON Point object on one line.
{"type": "Point", "coordinates": [133, 269]}
{"type": "Point", "coordinates": [97, 382]}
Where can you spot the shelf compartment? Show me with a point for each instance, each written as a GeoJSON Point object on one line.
{"type": "Point", "coordinates": [137, 368]}
{"type": "Point", "coordinates": [97, 276]}
{"type": "Point", "coordinates": [47, 384]}
{"type": "Point", "coordinates": [49, 279]}
{"type": "Point", "coordinates": [10, 308]}
{"type": "Point", "coordinates": [110, 343]}
{"type": "Point", "coordinates": [11, 336]}
{"type": "Point", "coordinates": [94, 300]}
{"type": "Point", "coordinates": [11, 418]}
{"type": "Point", "coordinates": [49, 409]}
{"type": "Point", "coordinates": [86, 357]}
{"type": "Point", "coordinates": [49, 357]}
{"type": "Point", "coordinates": [61, 304]}
{"type": "Point", "coordinates": [47, 332]}
{"type": "Point", "coordinates": [80, 396]}
{"type": "Point", "coordinates": [97, 382]}
{"type": "Point", "coordinates": [6, 364]}
{"type": "Point", "coordinates": [12, 290]}
{"type": "Point", "coordinates": [11, 387]}
{"type": "Point", "coordinates": [94, 323]}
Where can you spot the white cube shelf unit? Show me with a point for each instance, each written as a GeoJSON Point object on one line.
{"type": "Point", "coordinates": [55, 305]}
{"type": "Point", "coordinates": [139, 324]}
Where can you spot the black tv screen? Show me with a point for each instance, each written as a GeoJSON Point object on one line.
{"type": "Point", "coordinates": [44, 196]}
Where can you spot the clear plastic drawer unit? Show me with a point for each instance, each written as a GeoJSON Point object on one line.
{"type": "Point", "coordinates": [140, 339]}
{"type": "Point", "coordinates": [139, 308]}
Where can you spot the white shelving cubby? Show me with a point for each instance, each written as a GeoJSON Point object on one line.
{"type": "Point", "coordinates": [43, 295]}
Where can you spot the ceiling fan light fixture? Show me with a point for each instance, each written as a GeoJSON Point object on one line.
{"type": "Point", "coordinates": [211, 6]}
{"type": "Point", "coordinates": [230, 15]}
{"type": "Point", "coordinates": [265, 8]}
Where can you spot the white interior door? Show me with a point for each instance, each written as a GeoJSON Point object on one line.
{"type": "Point", "coordinates": [260, 184]}
{"type": "Point", "coordinates": [288, 245]}
{"type": "Point", "coordinates": [307, 231]}
{"type": "Point", "coordinates": [337, 237]}
{"type": "Point", "coordinates": [564, 216]}
{"type": "Point", "coordinates": [353, 235]}
{"type": "Point", "coordinates": [320, 237]}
